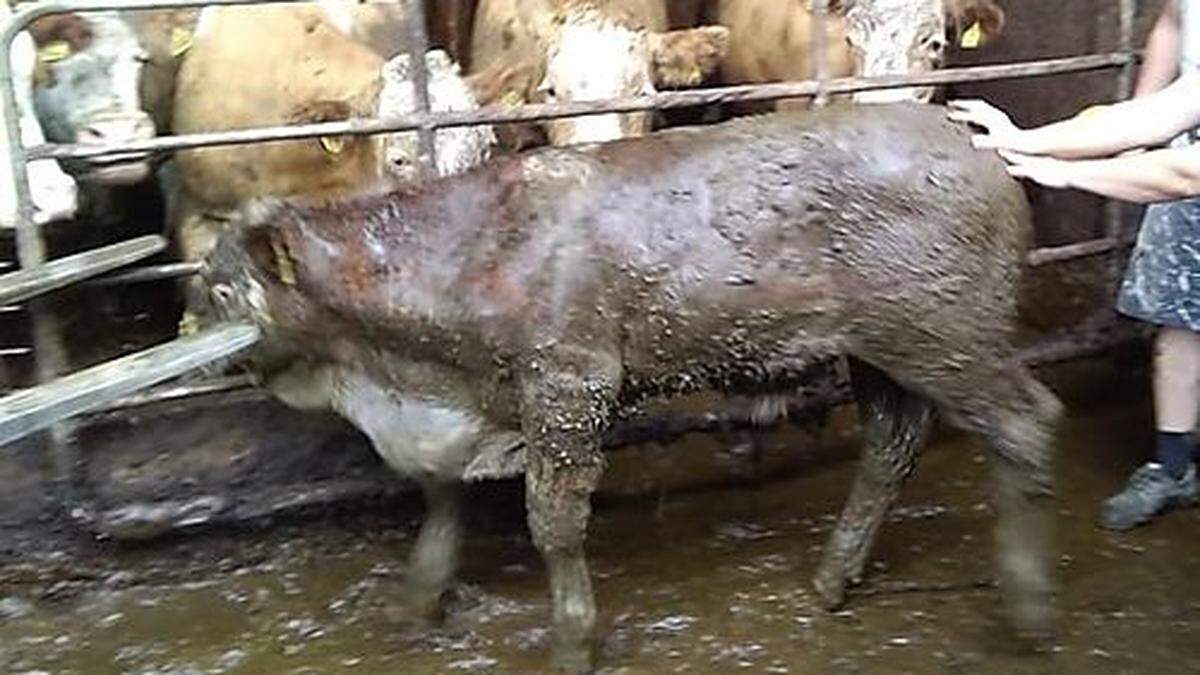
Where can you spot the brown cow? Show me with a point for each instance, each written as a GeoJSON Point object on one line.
{"type": "Point", "coordinates": [769, 39]}
{"type": "Point", "coordinates": [595, 49]}
{"type": "Point", "coordinates": [303, 68]}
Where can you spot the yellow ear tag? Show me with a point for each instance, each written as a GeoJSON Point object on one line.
{"type": "Point", "coordinates": [333, 145]}
{"type": "Point", "coordinates": [181, 41]}
{"type": "Point", "coordinates": [54, 51]}
{"type": "Point", "coordinates": [511, 99]}
{"type": "Point", "coordinates": [972, 37]}
{"type": "Point", "coordinates": [283, 263]}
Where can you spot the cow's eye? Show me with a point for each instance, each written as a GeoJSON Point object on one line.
{"type": "Point", "coordinates": [223, 293]}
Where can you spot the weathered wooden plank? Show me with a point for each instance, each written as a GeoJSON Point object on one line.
{"type": "Point", "coordinates": [28, 410]}
{"type": "Point", "coordinates": [27, 283]}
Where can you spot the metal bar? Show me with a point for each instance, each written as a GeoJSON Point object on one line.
{"type": "Point", "coordinates": [1089, 338]}
{"type": "Point", "coordinates": [176, 392]}
{"type": "Point", "coordinates": [28, 283]}
{"type": "Point", "coordinates": [30, 410]}
{"type": "Point", "coordinates": [31, 249]}
{"type": "Point", "coordinates": [529, 113]}
{"type": "Point", "coordinates": [1083, 249]}
{"type": "Point", "coordinates": [149, 273]}
{"type": "Point", "coordinates": [817, 39]}
{"type": "Point", "coordinates": [1114, 211]}
{"type": "Point", "coordinates": [9, 352]}
{"type": "Point", "coordinates": [418, 45]}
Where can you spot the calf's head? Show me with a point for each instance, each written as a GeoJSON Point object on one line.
{"type": "Point", "coordinates": [891, 37]}
{"type": "Point", "coordinates": [86, 90]}
{"type": "Point", "coordinates": [591, 56]}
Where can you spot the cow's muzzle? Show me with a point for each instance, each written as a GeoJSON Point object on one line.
{"type": "Point", "coordinates": [114, 129]}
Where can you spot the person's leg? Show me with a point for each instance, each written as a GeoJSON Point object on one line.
{"type": "Point", "coordinates": [1176, 397]}
{"type": "Point", "coordinates": [1169, 480]}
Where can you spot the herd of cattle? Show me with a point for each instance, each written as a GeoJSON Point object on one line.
{"type": "Point", "coordinates": [117, 77]}
{"type": "Point", "coordinates": [508, 313]}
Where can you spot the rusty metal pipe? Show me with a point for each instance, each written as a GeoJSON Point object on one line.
{"type": "Point", "coordinates": [418, 45]}
{"type": "Point", "coordinates": [530, 113]}
{"type": "Point", "coordinates": [817, 39]}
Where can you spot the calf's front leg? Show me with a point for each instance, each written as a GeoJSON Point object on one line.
{"type": "Point", "coordinates": [563, 418]}
{"type": "Point", "coordinates": [434, 559]}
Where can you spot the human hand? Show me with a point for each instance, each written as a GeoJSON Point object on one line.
{"type": "Point", "coordinates": [1047, 171]}
{"type": "Point", "coordinates": [1001, 134]}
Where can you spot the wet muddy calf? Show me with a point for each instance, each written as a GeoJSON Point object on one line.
{"type": "Point", "coordinates": [538, 299]}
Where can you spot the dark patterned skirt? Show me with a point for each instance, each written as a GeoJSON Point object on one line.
{"type": "Point", "coordinates": [1162, 283]}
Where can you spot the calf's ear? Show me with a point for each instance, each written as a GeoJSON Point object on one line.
{"type": "Point", "coordinates": [269, 251]}
{"type": "Point", "coordinates": [684, 58]}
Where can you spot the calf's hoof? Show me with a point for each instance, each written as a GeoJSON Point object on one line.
{"type": "Point", "coordinates": [419, 608]}
{"type": "Point", "coordinates": [1032, 616]}
{"type": "Point", "coordinates": [573, 657]}
{"type": "Point", "coordinates": [831, 590]}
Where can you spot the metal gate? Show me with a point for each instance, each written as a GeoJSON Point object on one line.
{"type": "Point", "coordinates": [49, 406]}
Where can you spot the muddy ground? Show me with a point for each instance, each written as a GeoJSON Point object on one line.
{"type": "Point", "coordinates": [702, 564]}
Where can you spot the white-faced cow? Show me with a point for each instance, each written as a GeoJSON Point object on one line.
{"type": "Point", "coordinates": [52, 191]}
{"type": "Point", "coordinates": [770, 39]}
{"type": "Point", "coordinates": [86, 91]}
{"type": "Point", "coordinates": [594, 49]}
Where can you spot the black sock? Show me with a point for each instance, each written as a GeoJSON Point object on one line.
{"type": "Point", "coordinates": [1174, 452]}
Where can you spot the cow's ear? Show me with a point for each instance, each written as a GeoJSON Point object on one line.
{"type": "Point", "coordinates": [315, 112]}
{"type": "Point", "coordinates": [684, 58]}
{"type": "Point", "coordinates": [270, 253]}
{"type": "Point", "coordinates": [505, 84]}
{"type": "Point", "coordinates": [985, 13]}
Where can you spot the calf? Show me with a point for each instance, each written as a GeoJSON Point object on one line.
{"type": "Point", "coordinates": [545, 296]}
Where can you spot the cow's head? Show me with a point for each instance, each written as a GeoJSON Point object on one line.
{"type": "Point", "coordinates": [86, 90]}
{"type": "Point", "coordinates": [53, 193]}
{"type": "Point", "coordinates": [590, 56]}
{"type": "Point", "coordinates": [458, 149]}
{"type": "Point", "coordinates": [890, 37]}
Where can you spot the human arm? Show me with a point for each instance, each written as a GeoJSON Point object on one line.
{"type": "Point", "coordinates": [1138, 123]}
{"type": "Point", "coordinates": [1161, 64]}
{"type": "Point", "coordinates": [1155, 176]}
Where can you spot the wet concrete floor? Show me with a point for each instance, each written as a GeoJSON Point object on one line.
{"type": "Point", "coordinates": [700, 566]}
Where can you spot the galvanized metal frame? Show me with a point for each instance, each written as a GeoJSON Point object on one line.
{"type": "Point", "coordinates": [31, 248]}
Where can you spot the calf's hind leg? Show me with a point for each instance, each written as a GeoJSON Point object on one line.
{"type": "Point", "coordinates": [895, 425]}
{"type": "Point", "coordinates": [1016, 416]}
{"type": "Point", "coordinates": [1019, 428]}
